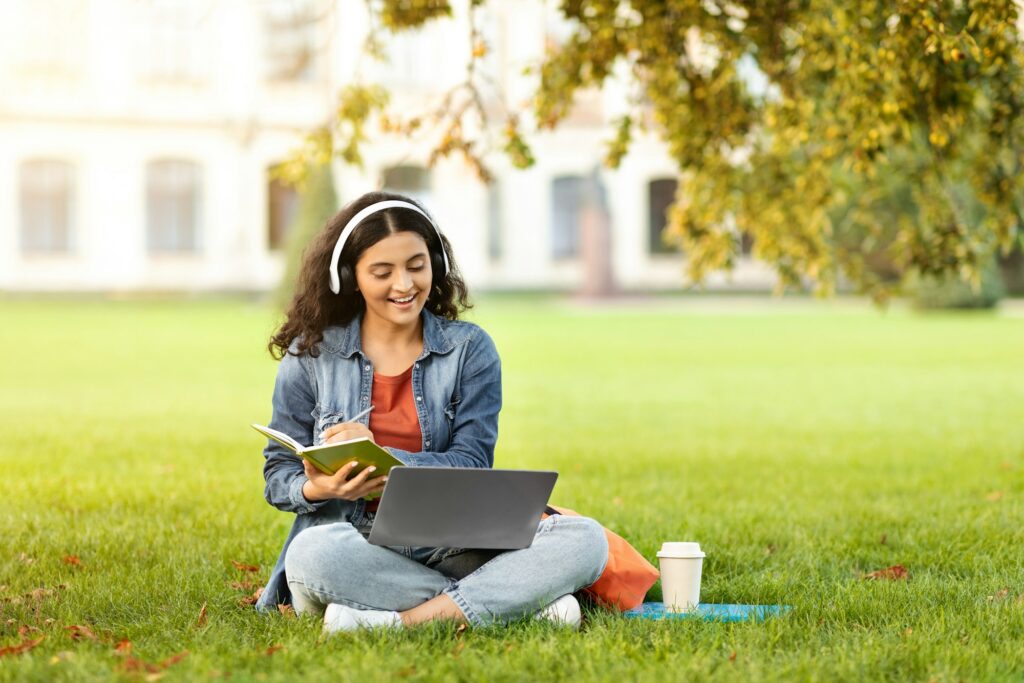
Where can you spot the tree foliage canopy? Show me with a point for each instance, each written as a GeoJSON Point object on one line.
{"type": "Point", "coordinates": [830, 132]}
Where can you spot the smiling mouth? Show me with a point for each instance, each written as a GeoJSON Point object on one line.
{"type": "Point", "coordinates": [403, 301]}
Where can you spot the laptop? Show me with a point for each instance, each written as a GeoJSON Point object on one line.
{"type": "Point", "coordinates": [461, 507]}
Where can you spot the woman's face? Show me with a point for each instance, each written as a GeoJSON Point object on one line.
{"type": "Point", "coordinates": [391, 271]}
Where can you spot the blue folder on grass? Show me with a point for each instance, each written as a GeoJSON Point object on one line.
{"type": "Point", "coordinates": [710, 612]}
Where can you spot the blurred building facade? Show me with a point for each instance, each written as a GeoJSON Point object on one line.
{"type": "Point", "coordinates": [136, 140]}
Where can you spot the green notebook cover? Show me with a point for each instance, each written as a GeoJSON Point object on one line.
{"type": "Point", "coordinates": [329, 457]}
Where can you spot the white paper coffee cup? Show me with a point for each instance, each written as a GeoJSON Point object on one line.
{"type": "Point", "coordinates": [681, 564]}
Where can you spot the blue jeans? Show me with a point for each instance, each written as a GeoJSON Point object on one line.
{"type": "Point", "coordinates": [335, 563]}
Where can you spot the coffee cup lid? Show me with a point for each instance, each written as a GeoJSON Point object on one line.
{"type": "Point", "coordinates": [680, 550]}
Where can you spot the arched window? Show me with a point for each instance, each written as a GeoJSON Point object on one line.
{"type": "Point", "coordinates": [47, 198]}
{"type": "Point", "coordinates": [173, 206]}
{"type": "Point", "coordinates": [566, 209]}
{"type": "Point", "coordinates": [661, 193]}
{"type": "Point", "coordinates": [412, 181]}
{"type": "Point", "coordinates": [282, 207]}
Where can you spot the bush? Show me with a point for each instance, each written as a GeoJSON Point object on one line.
{"type": "Point", "coordinates": [1012, 267]}
{"type": "Point", "coordinates": [952, 292]}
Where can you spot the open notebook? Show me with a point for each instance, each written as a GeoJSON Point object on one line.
{"type": "Point", "coordinates": [329, 457]}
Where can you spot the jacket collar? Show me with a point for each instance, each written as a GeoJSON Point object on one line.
{"type": "Point", "coordinates": [347, 339]}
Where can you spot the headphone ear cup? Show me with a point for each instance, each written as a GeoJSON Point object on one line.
{"type": "Point", "coordinates": [347, 279]}
{"type": "Point", "coordinates": [437, 268]}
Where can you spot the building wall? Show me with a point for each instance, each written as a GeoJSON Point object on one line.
{"type": "Point", "coordinates": [150, 81]}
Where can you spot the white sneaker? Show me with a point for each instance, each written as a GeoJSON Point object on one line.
{"type": "Point", "coordinates": [344, 618]}
{"type": "Point", "coordinates": [565, 611]}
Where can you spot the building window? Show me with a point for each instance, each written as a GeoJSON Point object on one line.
{"type": "Point", "coordinates": [661, 194]}
{"type": "Point", "coordinates": [282, 207]}
{"type": "Point", "coordinates": [412, 181]}
{"type": "Point", "coordinates": [417, 56]}
{"type": "Point", "coordinates": [173, 204]}
{"type": "Point", "coordinates": [47, 199]}
{"type": "Point", "coordinates": [566, 210]}
{"type": "Point", "coordinates": [291, 50]}
{"type": "Point", "coordinates": [176, 41]}
{"type": "Point", "coordinates": [746, 244]}
{"type": "Point", "coordinates": [44, 38]}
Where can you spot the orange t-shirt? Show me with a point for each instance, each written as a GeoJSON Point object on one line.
{"type": "Point", "coordinates": [393, 420]}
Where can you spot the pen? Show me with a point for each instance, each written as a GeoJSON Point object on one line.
{"type": "Point", "coordinates": [359, 415]}
{"type": "Point", "coordinates": [356, 417]}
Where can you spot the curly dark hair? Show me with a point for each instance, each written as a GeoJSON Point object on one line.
{"type": "Point", "coordinates": [314, 307]}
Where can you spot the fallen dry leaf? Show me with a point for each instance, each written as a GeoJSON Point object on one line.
{"type": "Point", "coordinates": [286, 610]}
{"type": "Point", "coordinates": [25, 629]}
{"type": "Point", "coordinates": [136, 664]}
{"type": "Point", "coordinates": [1001, 594]}
{"type": "Point", "coordinates": [251, 599]}
{"type": "Point", "coordinates": [244, 585]}
{"type": "Point", "coordinates": [460, 630]}
{"type": "Point", "coordinates": [123, 647]}
{"type": "Point", "coordinates": [22, 557]}
{"type": "Point", "coordinates": [406, 672]}
{"type": "Point", "coordinates": [272, 649]}
{"type": "Point", "coordinates": [23, 646]}
{"type": "Point", "coordinates": [34, 595]}
{"type": "Point", "coordinates": [245, 567]}
{"type": "Point", "coordinates": [201, 621]}
{"type": "Point", "coordinates": [39, 593]}
{"type": "Point", "coordinates": [732, 656]}
{"type": "Point", "coordinates": [73, 560]}
{"type": "Point", "coordinates": [80, 632]}
{"type": "Point", "coordinates": [173, 659]}
{"type": "Point", "coordinates": [893, 573]}
{"type": "Point", "coordinates": [994, 496]}
{"type": "Point", "coordinates": [907, 631]}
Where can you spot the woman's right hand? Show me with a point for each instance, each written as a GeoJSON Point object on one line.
{"type": "Point", "coordinates": [326, 486]}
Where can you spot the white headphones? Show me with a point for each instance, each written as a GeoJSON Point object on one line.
{"type": "Point", "coordinates": [363, 215]}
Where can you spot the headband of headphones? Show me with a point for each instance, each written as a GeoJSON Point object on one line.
{"type": "Point", "coordinates": [363, 215]}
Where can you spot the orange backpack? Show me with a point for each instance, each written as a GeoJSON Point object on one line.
{"type": "Point", "coordinates": [626, 578]}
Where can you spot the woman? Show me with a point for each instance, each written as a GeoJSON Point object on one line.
{"type": "Point", "coordinates": [374, 321]}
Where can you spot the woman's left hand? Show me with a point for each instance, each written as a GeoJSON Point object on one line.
{"type": "Point", "coordinates": [345, 431]}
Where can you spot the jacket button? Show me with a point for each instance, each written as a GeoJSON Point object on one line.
{"type": "Point", "coordinates": [367, 368]}
{"type": "Point", "coordinates": [428, 443]}
{"type": "Point", "coordinates": [419, 398]}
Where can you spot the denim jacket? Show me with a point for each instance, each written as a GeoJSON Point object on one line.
{"type": "Point", "coordinates": [456, 384]}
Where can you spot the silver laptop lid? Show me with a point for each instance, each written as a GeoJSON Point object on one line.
{"type": "Point", "coordinates": [461, 507]}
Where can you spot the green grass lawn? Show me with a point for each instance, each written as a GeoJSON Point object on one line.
{"type": "Point", "coordinates": [802, 446]}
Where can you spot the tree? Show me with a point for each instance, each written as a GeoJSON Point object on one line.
{"type": "Point", "coordinates": [317, 203]}
{"type": "Point", "coordinates": [774, 110]}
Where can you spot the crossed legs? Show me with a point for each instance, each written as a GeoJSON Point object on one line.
{"type": "Point", "coordinates": [334, 563]}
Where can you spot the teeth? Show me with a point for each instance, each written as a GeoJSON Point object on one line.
{"type": "Point", "coordinates": [405, 300]}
